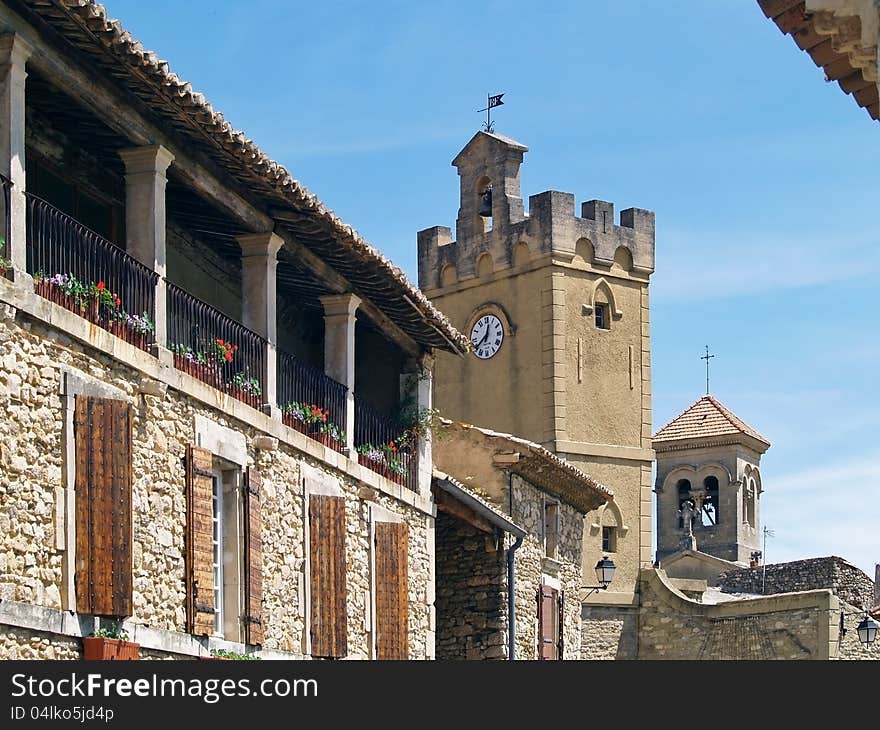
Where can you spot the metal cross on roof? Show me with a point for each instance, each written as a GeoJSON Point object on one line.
{"type": "Point", "coordinates": [707, 357]}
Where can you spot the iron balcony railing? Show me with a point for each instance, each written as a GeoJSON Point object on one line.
{"type": "Point", "coordinates": [310, 401]}
{"type": "Point", "coordinates": [215, 348]}
{"type": "Point", "coordinates": [5, 186]}
{"type": "Point", "coordinates": [84, 272]}
{"type": "Point", "coordinates": [385, 446]}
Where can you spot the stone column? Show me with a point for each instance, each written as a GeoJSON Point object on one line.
{"type": "Point", "coordinates": [14, 53]}
{"type": "Point", "coordinates": [420, 383]}
{"type": "Point", "coordinates": [339, 319]}
{"type": "Point", "coordinates": [145, 222]}
{"type": "Point", "coordinates": [259, 259]}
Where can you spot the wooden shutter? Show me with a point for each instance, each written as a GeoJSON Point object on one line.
{"type": "Point", "coordinates": [547, 620]}
{"type": "Point", "coordinates": [253, 568]}
{"type": "Point", "coordinates": [329, 614]}
{"type": "Point", "coordinates": [103, 445]}
{"type": "Point", "coordinates": [392, 586]}
{"type": "Point", "coordinates": [199, 542]}
{"type": "Point", "coordinates": [560, 627]}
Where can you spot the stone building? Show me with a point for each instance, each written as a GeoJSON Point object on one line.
{"type": "Point", "coordinates": [556, 307]}
{"type": "Point", "coordinates": [709, 457]}
{"type": "Point", "coordinates": [509, 513]}
{"type": "Point", "coordinates": [202, 371]}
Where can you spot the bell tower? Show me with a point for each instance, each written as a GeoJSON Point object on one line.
{"type": "Point", "coordinates": [712, 458]}
{"type": "Point", "coordinates": [556, 306]}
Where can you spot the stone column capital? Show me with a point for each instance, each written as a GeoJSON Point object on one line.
{"type": "Point", "coordinates": [260, 244]}
{"type": "Point", "coordinates": [14, 49]}
{"type": "Point", "coordinates": [340, 305]}
{"type": "Point", "coordinates": [153, 159]}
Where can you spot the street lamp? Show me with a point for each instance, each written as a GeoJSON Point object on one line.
{"type": "Point", "coordinates": [867, 630]}
{"type": "Point", "coordinates": [604, 574]}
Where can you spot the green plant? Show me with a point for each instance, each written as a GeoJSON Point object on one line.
{"type": "Point", "coordinates": [333, 431]}
{"type": "Point", "coordinates": [5, 263]}
{"type": "Point", "coordinates": [112, 632]}
{"type": "Point", "coordinates": [307, 412]}
{"type": "Point", "coordinates": [247, 383]}
{"type": "Point", "coordinates": [225, 654]}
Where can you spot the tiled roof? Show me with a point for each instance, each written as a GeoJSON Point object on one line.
{"type": "Point", "coordinates": [835, 42]}
{"type": "Point", "coordinates": [706, 418]}
{"type": "Point", "coordinates": [102, 41]}
{"type": "Point", "coordinates": [543, 468]}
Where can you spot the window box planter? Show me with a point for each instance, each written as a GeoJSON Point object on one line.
{"type": "Point", "coordinates": [98, 647]}
{"type": "Point", "coordinates": [328, 440]}
{"type": "Point", "coordinates": [380, 468]}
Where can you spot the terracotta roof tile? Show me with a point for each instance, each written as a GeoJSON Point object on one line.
{"type": "Point", "coordinates": [706, 418]}
{"type": "Point", "coordinates": [93, 28]}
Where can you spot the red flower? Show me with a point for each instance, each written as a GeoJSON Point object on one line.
{"type": "Point", "coordinates": [220, 342]}
{"type": "Point", "coordinates": [228, 357]}
{"type": "Point", "coordinates": [118, 301]}
{"type": "Point", "coordinates": [235, 348]}
{"type": "Point", "coordinates": [101, 286]}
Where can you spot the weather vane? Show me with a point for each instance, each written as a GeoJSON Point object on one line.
{"type": "Point", "coordinates": [707, 357]}
{"type": "Point", "coordinates": [493, 101]}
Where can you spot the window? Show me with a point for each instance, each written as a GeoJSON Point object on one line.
{"type": "Point", "coordinates": [223, 549]}
{"type": "Point", "coordinates": [327, 577]}
{"type": "Point", "coordinates": [551, 529]}
{"type": "Point", "coordinates": [391, 590]}
{"type": "Point", "coordinates": [601, 311]}
{"type": "Point", "coordinates": [710, 501]}
{"type": "Point", "coordinates": [609, 539]}
{"type": "Point", "coordinates": [551, 605]}
{"type": "Point", "coordinates": [684, 493]}
{"type": "Point", "coordinates": [217, 552]}
{"type": "Point", "coordinates": [102, 477]}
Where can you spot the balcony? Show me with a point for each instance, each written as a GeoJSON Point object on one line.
{"type": "Point", "coordinates": [215, 348]}
{"type": "Point", "coordinates": [81, 271]}
{"type": "Point", "coordinates": [94, 278]}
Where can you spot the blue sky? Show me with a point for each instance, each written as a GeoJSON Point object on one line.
{"type": "Point", "coordinates": [762, 177]}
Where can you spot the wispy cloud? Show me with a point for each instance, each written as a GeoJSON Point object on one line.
{"type": "Point", "coordinates": [734, 264]}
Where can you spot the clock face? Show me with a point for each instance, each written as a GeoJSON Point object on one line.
{"type": "Point", "coordinates": [487, 336]}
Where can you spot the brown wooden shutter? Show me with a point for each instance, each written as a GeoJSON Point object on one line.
{"type": "Point", "coordinates": [103, 446]}
{"type": "Point", "coordinates": [547, 620]}
{"type": "Point", "coordinates": [199, 541]}
{"type": "Point", "coordinates": [560, 627]}
{"type": "Point", "coordinates": [329, 614]}
{"type": "Point", "coordinates": [253, 543]}
{"type": "Point", "coordinates": [392, 586]}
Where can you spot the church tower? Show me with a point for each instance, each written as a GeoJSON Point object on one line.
{"type": "Point", "coordinates": [712, 458]}
{"type": "Point", "coordinates": [556, 306]}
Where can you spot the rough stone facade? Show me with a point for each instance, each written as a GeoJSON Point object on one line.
{"type": "Point", "coordinates": [787, 626]}
{"type": "Point", "coordinates": [34, 358]}
{"type": "Point", "coordinates": [846, 581]}
{"type": "Point", "coordinates": [609, 632]}
{"type": "Point", "coordinates": [471, 592]}
{"type": "Point", "coordinates": [533, 568]}
{"type": "Point", "coordinates": [17, 643]}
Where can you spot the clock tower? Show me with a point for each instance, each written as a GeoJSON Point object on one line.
{"type": "Point", "coordinates": [556, 307]}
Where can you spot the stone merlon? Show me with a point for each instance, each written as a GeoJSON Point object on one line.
{"type": "Point", "coordinates": [549, 227]}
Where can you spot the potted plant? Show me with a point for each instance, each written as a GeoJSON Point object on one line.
{"type": "Point", "coordinates": [331, 435]}
{"type": "Point", "coordinates": [5, 264]}
{"type": "Point", "coordinates": [110, 643]}
{"type": "Point", "coordinates": [244, 386]}
{"type": "Point", "coordinates": [225, 655]}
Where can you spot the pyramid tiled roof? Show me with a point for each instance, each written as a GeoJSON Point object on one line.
{"type": "Point", "coordinates": [707, 418]}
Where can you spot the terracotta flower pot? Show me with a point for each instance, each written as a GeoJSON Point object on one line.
{"type": "Point", "coordinates": [98, 647]}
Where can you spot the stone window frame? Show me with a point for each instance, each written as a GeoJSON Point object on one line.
{"type": "Point", "coordinates": [376, 513]}
{"type": "Point", "coordinates": [588, 309]}
{"type": "Point", "coordinates": [74, 382]}
{"type": "Point", "coordinates": [549, 506]}
{"type": "Point", "coordinates": [317, 482]}
{"type": "Point", "coordinates": [228, 449]}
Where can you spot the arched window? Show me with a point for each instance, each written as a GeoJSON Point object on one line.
{"type": "Point", "coordinates": [750, 492]}
{"type": "Point", "coordinates": [684, 493]}
{"type": "Point", "coordinates": [710, 501]}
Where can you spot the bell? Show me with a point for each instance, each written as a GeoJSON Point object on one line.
{"type": "Point", "coordinates": [486, 203]}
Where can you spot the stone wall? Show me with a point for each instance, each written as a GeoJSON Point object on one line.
{"type": "Point", "coordinates": [18, 643]}
{"type": "Point", "coordinates": [849, 646]}
{"type": "Point", "coordinates": [609, 632]}
{"type": "Point", "coordinates": [532, 568]}
{"type": "Point", "coordinates": [842, 577]}
{"type": "Point", "coordinates": [35, 358]}
{"type": "Point", "coordinates": [471, 592]}
{"type": "Point", "coordinates": [786, 626]}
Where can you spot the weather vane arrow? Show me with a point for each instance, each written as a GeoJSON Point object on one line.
{"type": "Point", "coordinates": [493, 100]}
